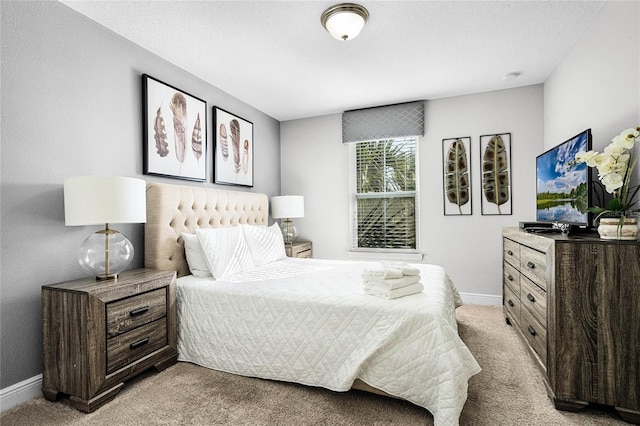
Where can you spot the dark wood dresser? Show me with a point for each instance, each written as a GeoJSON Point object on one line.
{"type": "Point", "coordinates": [575, 300]}
{"type": "Point", "coordinates": [97, 334]}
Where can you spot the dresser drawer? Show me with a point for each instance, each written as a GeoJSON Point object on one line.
{"type": "Point", "coordinates": [533, 264]}
{"type": "Point", "coordinates": [129, 347]}
{"type": "Point", "coordinates": [511, 252]}
{"type": "Point", "coordinates": [512, 305]}
{"type": "Point", "coordinates": [511, 278]}
{"type": "Point", "coordinates": [534, 299]}
{"type": "Point", "coordinates": [127, 314]}
{"type": "Point", "coordinates": [535, 333]}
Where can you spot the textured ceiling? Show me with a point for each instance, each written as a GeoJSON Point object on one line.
{"type": "Point", "coordinates": [276, 56]}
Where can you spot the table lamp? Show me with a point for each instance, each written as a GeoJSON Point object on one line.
{"type": "Point", "coordinates": [287, 207]}
{"type": "Point", "coordinates": [95, 200]}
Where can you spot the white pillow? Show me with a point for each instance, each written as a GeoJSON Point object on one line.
{"type": "Point", "coordinates": [195, 256]}
{"type": "Point", "coordinates": [225, 251]}
{"type": "Point", "coordinates": [265, 243]}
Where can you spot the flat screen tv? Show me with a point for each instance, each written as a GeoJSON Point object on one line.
{"type": "Point", "coordinates": [563, 188]}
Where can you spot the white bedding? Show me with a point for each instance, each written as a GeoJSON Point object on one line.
{"type": "Point", "coordinates": [312, 324]}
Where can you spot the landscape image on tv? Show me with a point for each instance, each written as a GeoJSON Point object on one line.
{"type": "Point", "coordinates": [562, 186]}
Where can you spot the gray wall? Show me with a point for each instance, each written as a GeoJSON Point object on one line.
{"type": "Point", "coordinates": [315, 163]}
{"type": "Point", "coordinates": [71, 105]}
{"type": "Point", "coordinates": [597, 85]}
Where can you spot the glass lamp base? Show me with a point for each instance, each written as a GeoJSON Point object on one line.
{"type": "Point", "coordinates": [289, 232]}
{"type": "Point", "coordinates": [105, 254]}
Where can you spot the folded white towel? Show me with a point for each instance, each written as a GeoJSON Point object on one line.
{"type": "Point", "coordinates": [404, 267]}
{"type": "Point", "coordinates": [394, 294]}
{"type": "Point", "coordinates": [381, 273]}
{"type": "Point", "coordinates": [392, 283]}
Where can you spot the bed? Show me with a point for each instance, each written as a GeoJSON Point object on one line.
{"type": "Point", "coordinates": [302, 320]}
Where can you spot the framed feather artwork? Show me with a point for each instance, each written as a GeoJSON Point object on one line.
{"type": "Point", "coordinates": [456, 160]}
{"type": "Point", "coordinates": [175, 132]}
{"type": "Point", "coordinates": [495, 157]}
{"type": "Point", "coordinates": [233, 149]}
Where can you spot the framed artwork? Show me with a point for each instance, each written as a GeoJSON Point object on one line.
{"type": "Point", "coordinates": [456, 161]}
{"type": "Point", "coordinates": [175, 132]}
{"type": "Point", "coordinates": [233, 149]}
{"type": "Point", "coordinates": [495, 156]}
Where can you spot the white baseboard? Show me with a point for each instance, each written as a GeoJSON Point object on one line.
{"type": "Point", "coordinates": [481, 299]}
{"type": "Point", "coordinates": [20, 392]}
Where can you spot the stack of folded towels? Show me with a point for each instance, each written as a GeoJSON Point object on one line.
{"type": "Point", "coordinates": [392, 280]}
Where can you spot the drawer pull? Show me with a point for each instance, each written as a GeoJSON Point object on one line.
{"type": "Point", "coordinates": [531, 298]}
{"type": "Point", "coordinates": [531, 265]}
{"type": "Point", "coordinates": [139, 311]}
{"type": "Point", "coordinates": [509, 277]}
{"type": "Point", "coordinates": [531, 331]}
{"type": "Point", "coordinates": [510, 303]}
{"type": "Point", "coordinates": [139, 343]}
{"type": "Point", "coordinates": [509, 252]}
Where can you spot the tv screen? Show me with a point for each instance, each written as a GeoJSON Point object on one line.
{"type": "Point", "coordinates": [562, 189]}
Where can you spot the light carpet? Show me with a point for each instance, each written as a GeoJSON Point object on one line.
{"type": "Point", "coordinates": [508, 391]}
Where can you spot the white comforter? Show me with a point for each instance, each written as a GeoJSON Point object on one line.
{"type": "Point", "coordinates": [313, 324]}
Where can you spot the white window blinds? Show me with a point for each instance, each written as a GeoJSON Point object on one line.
{"type": "Point", "coordinates": [384, 185]}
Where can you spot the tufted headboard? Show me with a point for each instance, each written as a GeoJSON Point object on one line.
{"type": "Point", "coordinates": [174, 209]}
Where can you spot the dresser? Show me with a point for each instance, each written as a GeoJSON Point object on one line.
{"type": "Point", "coordinates": [97, 334]}
{"type": "Point", "coordinates": [299, 249]}
{"type": "Point", "coordinates": [575, 301]}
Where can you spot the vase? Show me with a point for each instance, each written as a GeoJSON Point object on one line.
{"type": "Point", "coordinates": [610, 229]}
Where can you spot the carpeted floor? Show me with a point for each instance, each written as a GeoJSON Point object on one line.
{"type": "Point", "coordinates": [508, 391]}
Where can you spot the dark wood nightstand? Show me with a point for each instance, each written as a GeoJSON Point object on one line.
{"type": "Point", "coordinates": [97, 334]}
{"type": "Point", "coordinates": [298, 249]}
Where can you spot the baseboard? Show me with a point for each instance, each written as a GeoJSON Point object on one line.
{"type": "Point", "coordinates": [481, 299]}
{"type": "Point", "coordinates": [20, 392]}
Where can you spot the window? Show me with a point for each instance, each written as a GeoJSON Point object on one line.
{"type": "Point", "coordinates": [384, 188]}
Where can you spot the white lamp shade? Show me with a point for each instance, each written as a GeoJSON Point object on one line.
{"type": "Point", "coordinates": [94, 200]}
{"type": "Point", "coordinates": [287, 206]}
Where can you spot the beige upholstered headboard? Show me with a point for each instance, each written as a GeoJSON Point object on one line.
{"type": "Point", "coordinates": [174, 209]}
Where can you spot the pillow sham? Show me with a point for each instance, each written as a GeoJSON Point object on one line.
{"type": "Point", "coordinates": [225, 251]}
{"type": "Point", "coordinates": [195, 256]}
{"type": "Point", "coordinates": [265, 243]}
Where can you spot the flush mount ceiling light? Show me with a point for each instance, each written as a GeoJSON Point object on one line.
{"type": "Point", "coordinates": [344, 21]}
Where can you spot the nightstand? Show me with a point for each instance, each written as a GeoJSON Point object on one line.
{"type": "Point", "coordinates": [298, 249]}
{"type": "Point", "coordinates": [97, 334]}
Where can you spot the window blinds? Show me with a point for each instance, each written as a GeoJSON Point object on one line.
{"type": "Point", "coordinates": [391, 121]}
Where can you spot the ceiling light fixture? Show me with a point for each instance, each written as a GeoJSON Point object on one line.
{"type": "Point", "coordinates": [344, 21]}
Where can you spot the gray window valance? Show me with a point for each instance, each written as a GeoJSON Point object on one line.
{"type": "Point", "coordinates": [391, 121]}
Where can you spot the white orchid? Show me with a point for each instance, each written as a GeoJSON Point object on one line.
{"type": "Point", "coordinates": [586, 157]}
{"type": "Point", "coordinates": [615, 166]}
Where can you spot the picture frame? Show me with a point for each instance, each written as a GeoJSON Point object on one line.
{"type": "Point", "coordinates": [175, 132]}
{"type": "Point", "coordinates": [496, 181]}
{"type": "Point", "coordinates": [456, 176]}
{"type": "Point", "coordinates": [233, 149]}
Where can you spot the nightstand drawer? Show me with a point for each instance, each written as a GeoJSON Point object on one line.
{"type": "Point", "coordinates": [129, 347]}
{"type": "Point", "coordinates": [127, 314]}
{"type": "Point", "coordinates": [299, 249]}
